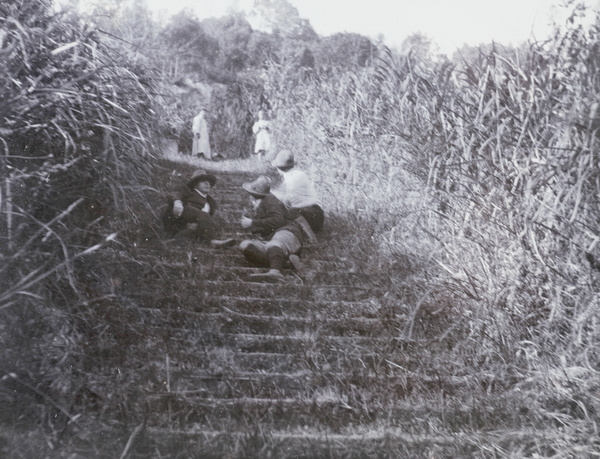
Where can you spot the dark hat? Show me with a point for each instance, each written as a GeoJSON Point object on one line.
{"type": "Point", "coordinates": [284, 160]}
{"type": "Point", "coordinates": [201, 176]}
{"type": "Point", "coordinates": [259, 188]}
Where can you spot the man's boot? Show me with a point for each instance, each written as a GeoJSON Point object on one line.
{"type": "Point", "coordinates": [296, 263]}
{"type": "Point", "coordinates": [306, 229]}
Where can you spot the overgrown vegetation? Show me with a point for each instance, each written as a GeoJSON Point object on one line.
{"type": "Point", "coordinates": [473, 181]}
{"type": "Point", "coordinates": [482, 178]}
{"type": "Point", "coordinates": [76, 131]}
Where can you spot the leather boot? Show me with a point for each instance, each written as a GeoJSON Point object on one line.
{"type": "Point", "coordinates": [306, 229]}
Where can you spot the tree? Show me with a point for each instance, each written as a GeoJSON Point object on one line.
{"type": "Point", "coordinates": [345, 50]}
{"type": "Point", "coordinates": [262, 47]}
{"type": "Point", "coordinates": [280, 16]}
{"type": "Point", "coordinates": [232, 33]}
{"type": "Point", "coordinates": [419, 46]}
{"type": "Point", "coordinates": [191, 49]}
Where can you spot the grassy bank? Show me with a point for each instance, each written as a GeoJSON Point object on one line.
{"type": "Point", "coordinates": [477, 186]}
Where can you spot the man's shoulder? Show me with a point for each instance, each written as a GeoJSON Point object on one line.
{"type": "Point", "coordinates": [296, 175]}
{"type": "Point", "coordinates": [271, 202]}
{"type": "Point", "coordinates": [271, 199]}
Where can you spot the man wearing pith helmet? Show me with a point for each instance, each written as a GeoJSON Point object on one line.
{"type": "Point", "coordinates": [270, 221]}
{"type": "Point", "coordinates": [298, 191]}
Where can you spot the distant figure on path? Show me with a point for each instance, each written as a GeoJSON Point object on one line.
{"type": "Point", "coordinates": [189, 215]}
{"type": "Point", "coordinates": [298, 192]}
{"type": "Point", "coordinates": [201, 143]}
{"type": "Point", "coordinates": [262, 130]}
{"type": "Point", "coordinates": [271, 222]}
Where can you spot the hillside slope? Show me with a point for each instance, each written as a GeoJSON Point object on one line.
{"type": "Point", "coordinates": [187, 357]}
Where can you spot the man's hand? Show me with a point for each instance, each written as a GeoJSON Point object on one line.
{"type": "Point", "coordinates": [177, 208]}
{"type": "Point", "coordinates": [246, 222]}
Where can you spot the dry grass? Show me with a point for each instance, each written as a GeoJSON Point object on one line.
{"type": "Point", "coordinates": [481, 182]}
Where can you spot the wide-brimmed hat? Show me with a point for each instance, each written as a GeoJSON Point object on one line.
{"type": "Point", "coordinates": [284, 160]}
{"type": "Point", "coordinates": [201, 176]}
{"type": "Point", "coordinates": [259, 188]}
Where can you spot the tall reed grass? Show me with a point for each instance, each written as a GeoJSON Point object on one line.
{"type": "Point", "coordinates": [481, 179]}
{"type": "Point", "coordinates": [77, 125]}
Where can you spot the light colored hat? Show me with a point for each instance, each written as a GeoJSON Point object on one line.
{"type": "Point", "coordinates": [259, 188]}
{"type": "Point", "coordinates": [201, 176]}
{"type": "Point", "coordinates": [284, 160]}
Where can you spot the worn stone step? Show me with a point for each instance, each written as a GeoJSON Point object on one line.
{"type": "Point", "coordinates": [203, 289]}
{"type": "Point", "coordinates": [299, 291]}
{"type": "Point", "coordinates": [234, 272]}
{"type": "Point", "coordinates": [260, 324]}
{"type": "Point", "coordinates": [316, 342]}
{"type": "Point", "coordinates": [185, 254]}
{"type": "Point", "coordinates": [182, 258]}
{"type": "Point", "coordinates": [357, 442]}
{"type": "Point", "coordinates": [327, 411]}
{"type": "Point", "coordinates": [368, 309]}
{"type": "Point", "coordinates": [191, 381]}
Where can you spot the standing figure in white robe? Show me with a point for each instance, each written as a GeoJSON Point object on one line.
{"type": "Point", "coordinates": [201, 143]}
{"type": "Point", "coordinates": [262, 130]}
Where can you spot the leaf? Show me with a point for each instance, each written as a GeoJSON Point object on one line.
{"type": "Point", "coordinates": [64, 48]}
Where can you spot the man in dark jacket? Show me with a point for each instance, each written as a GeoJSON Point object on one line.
{"type": "Point", "coordinates": [190, 214]}
{"type": "Point", "coordinates": [282, 236]}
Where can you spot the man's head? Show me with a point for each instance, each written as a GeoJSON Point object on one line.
{"type": "Point", "coordinates": [258, 188]}
{"type": "Point", "coordinates": [284, 160]}
{"type": "Point", "coordinates": [202, 181]}
{"type": "Point", "coordinates": [203, 186]}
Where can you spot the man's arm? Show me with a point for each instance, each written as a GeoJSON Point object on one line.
{"type": "Point", "coordinates": [270, 215]}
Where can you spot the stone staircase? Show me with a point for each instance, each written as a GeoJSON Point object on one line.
{"type": "Point", "coordinates": [313, 367]}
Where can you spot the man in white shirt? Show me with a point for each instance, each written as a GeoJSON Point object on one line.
{"type": "Point", "coordinates": [298, 192]}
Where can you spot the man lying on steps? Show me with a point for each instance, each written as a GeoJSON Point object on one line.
{"type": "Point", "coordinates": [282, 236]}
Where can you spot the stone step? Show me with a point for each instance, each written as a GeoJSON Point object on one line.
{"type": "Point", "coordinates": [228, 322]}
{"type": "Point", "coordinates": [295, 289]}
{"type": "Point", "coordinates": [161, 253]}
{"type": "Point", "coordinates": [368, 309]}
{"type": "Point", "coordinates": [328, 411]}
{"type": "Point", "coordinates": [191, 380]}
{"type": "Point", "coordinates": [244, 273]}
{"type": "Point", "coordinates": [385, 440]}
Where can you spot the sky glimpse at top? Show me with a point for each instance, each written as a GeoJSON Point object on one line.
{"type": "Point", "coordinates": [449, 23]}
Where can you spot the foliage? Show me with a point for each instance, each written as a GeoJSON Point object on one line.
{"type": "Point", "coordinates": [474, 185]}
{"type": "Point", "coordinates": [343, 51]}
{"type": "Point", "coordinates": [232, 119]}
{"type": "Point", "coordinates": [76, 128]}
{"type": "Point", "coordinates": [485, 173]}
{"type": "Point", "coordinates": [280, 17]}
{"type": "Point", "coordinates": [192, 48]}
{"type": "Point", "coordinates": [232, 33]}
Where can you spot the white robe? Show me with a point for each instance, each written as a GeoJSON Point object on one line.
{"type": "Point", "coordinates": [263, 137]}
{"type": "Point", "coordinates": [201, 143]}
